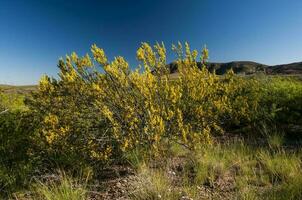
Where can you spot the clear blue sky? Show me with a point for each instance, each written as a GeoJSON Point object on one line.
{"type": "Point", "coordinates": [35, 34]}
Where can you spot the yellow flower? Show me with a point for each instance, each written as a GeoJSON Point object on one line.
{"type": "Point", "coordinates": [99, 55]}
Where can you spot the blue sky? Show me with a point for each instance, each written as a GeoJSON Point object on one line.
{"type": "Point", "coordinates": [35, 34]}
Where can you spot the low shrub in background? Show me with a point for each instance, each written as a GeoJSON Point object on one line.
{"type": "Point", "coordinates": [17, 150]}
{"type": "Point", "coordinates": [281, 98]}
{"type": "Point", "coordinates": [11, 101]}
{"type": "Point", "coordinates": [1, 102]}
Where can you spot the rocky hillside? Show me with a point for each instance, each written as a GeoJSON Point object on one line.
{"type": "Point", "coordinates": [23, 89]}
{"type": "Point", "coordinates": [248, 67]}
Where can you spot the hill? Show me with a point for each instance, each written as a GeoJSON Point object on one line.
{"type": "Point", "coordinates": [292, 68]}
{"type": "Point", "coordinates": [247, 67]}
{"type": "Point", "coordinates": [11, 89]}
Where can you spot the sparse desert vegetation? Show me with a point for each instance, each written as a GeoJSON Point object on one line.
{"type": "Point", "coordinates": [124, 133]}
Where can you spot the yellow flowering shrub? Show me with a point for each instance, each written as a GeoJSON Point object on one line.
{"type": "Point", "coordinates": [70, 124]}
{"type": "Point", "coordinates": [100, 114]}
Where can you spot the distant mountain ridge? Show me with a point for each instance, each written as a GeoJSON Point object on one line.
{"type": "Point", "coordinates": [22, 89]}
{"type": "Point", "coordinates": [247, 67]}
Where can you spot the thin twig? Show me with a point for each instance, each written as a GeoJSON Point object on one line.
{"type": "Point", "coordinates": [4, 111]}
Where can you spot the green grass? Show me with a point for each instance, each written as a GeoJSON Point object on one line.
{"type": "Point", "coordinates": [232, 170]}
{"type": "Point", "coordinates": [66, 189]}
{"type": "Point", "coordinates": [57, 187]}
